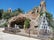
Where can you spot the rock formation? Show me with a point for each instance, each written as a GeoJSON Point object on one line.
{"type": "Point", "coordinates": [19, 20]}
{"type": "Point", "coordinates": [33, 15]}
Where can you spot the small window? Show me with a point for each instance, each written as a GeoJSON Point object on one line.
{"type": "Point", "coordinates": [35, 26]}
{"type": "Point", "coordinates": [44, 27]}
{"type": "Point", "coordinates": [40, 5]}
{"type": "Point", "coordinates": [33, 12]}
{"type": "Point", "coordinates": [44, 21]}
{"type": "Point", "coordinates": [37, 11]}
{"type": "Point", "coordinates": [44, 17]}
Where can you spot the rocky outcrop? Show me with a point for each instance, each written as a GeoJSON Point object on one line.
{"type": "Point", "coordinates": [17, 20]}
{"type": "Point", "coordinates": [33, 15]}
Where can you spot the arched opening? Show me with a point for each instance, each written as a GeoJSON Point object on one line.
{"type": "Point", "coordinates": [18, 22]}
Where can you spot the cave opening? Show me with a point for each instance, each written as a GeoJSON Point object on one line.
{"type": "Point", "coordinates": [19, 24]}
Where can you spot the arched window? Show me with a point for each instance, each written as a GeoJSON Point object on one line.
{"type": "Point", "coordinates": [44, 27]}
{"type": "Point", "coordinates": [37, 11]}
{"type": "Point", "coordinates": [35, 26]}
{"type": "Point", "coordinates": [40, 5]}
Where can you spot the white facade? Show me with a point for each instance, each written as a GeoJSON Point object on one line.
{"type": "Point", "coordinates": [43, 25]}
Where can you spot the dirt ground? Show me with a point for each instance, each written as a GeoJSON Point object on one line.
{"type": "Point", "coordinates": [6, 36]}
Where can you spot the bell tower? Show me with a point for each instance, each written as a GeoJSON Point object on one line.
{"type": "Point", "coordinates": [43, 5]}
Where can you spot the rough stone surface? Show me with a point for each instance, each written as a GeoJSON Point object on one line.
{"type": "Point", "coordinates": [33, 15]}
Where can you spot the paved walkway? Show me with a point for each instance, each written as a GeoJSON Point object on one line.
{"type": "Point", "coordinates": [6, 36]}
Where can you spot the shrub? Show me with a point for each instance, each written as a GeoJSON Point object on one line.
{"type": "Point", "coordinates": [27, 23]}
{"type": "Point", "coordinates": [4, 24]}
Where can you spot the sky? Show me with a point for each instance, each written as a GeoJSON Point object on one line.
{"type": "Point", "coordinates": [26, 5]}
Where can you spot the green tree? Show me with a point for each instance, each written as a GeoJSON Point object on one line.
{"type": "Point", "coordinates": [6, 15]}
{"type": "Point", "coordinates": [17, 12]}
{"type": "Point", "coordinates": [1, 12]}
{"type": "Point", "coordinates": [48, 15]}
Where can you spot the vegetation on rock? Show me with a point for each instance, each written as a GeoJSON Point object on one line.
{"type": "Point", "coordinates": [27, 23]}
{"type": "Point", "coordinates": [7, 15]}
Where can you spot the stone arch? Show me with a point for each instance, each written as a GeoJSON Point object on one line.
{"type": "Point", "coordinates": [18, 20]}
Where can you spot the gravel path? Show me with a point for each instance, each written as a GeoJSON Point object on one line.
{"type": "Point", "coordinates": [6, 36]}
